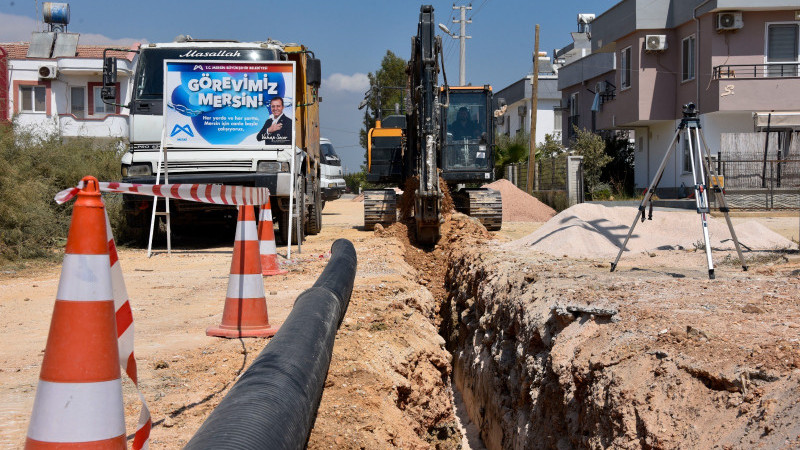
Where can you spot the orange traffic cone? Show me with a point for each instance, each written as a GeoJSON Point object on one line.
{"type": "Point", "coordinates": [79, 397]}
{"type": "Point", "coordinates": [266, 242]}
{"type": "Point", "coordinates": [245, 313]}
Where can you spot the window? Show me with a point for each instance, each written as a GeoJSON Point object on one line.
{"type": "Point", "coordinates": [687, 59]}
{"type": "Point", "coordinates": [782, 47]}
{"type": "Point", "coordinates": [77, 96]}
{"type": "Point", "coordinates": [557, 124]}
{"type": "Point", "coordinates": [573, 104]}
{"type": "Point", "coordinates": [99, 106]}
{"type": "Point", "coordinates": [625, 66]}
{"type": "Point", "coordinates": [33, 98]}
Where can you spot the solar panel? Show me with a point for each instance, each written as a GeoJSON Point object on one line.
{"type": "Point", "coordinates": [66, 45]}
{"type": "Point", "coordinates": [41, 44]}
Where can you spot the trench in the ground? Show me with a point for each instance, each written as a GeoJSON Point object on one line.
{"type": "Point", "coordinates": [430, 264]}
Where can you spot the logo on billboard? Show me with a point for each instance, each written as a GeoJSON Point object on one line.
{"type": "Point", "coordinates": [178, 129]}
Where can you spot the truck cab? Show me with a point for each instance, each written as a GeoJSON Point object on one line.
{"type": "Point", "coordinates": [331, 178]}
{"type": "Point", "coordinates": [234, 165]}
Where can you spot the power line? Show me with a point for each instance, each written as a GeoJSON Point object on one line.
{"type": "Point", "coordinates": [479, 8]}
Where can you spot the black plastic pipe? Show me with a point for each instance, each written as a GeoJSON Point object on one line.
{"type": "Point", "coordinates": [274, 403]}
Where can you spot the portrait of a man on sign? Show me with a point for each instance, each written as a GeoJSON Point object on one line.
{"type": "Point", "coordinates": [278, 127]}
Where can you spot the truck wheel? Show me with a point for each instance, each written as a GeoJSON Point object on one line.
{"type": "Point", "coordinates": [314, 223]}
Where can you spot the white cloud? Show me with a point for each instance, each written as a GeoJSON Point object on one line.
{"type": "Point", "coordinates": [357, 82]}
{"type": "Point", "coordinates": [19, 28]}
{"type": "Point", "coordinates": [16, 28]}
{"type": "Point", "coordinates": [99, 39]}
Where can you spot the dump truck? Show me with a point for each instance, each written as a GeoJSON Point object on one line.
{"type": "Point", "coordinates": [219, 137]}
{"type": "Point", "coordinates": [446, 134]}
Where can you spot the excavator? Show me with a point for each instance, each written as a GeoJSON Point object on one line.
{"type": "Point", "coordinates": [446, 134]}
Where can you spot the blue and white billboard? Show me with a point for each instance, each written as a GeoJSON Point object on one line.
{"type": "Point", "coordinates": [226, 104]}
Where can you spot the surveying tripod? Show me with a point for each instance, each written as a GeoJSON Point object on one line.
{"type": "Point", "coordinates": [690, 128]}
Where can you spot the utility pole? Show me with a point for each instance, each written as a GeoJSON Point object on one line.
{"type": "Point", "coordinates": [462, 73]}
{"type": "Point", "coordinates": [534, 107]}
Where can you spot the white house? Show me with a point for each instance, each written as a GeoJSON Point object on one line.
{"type": "Point", "coordinates": [58, 88]}
{"type": "Point", "coordinates": [517, 117]}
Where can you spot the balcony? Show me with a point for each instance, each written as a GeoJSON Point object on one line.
{"type": "Point", "coordinates": [110, 126]}
{"type": "Point", "coordinates": [754, 87]}
{"type": "Point", "coordinates": [774, 70]}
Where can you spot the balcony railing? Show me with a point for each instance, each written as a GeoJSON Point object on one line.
{"type": "Point", "coordinates": [774, 70]}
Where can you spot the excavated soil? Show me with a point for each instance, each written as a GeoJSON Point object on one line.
{"type": "Point", "coordinates": [554, 352]}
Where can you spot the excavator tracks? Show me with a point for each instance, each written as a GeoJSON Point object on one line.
{"type": "Point", "coordinates": [483, 204]}
{"type": "Point", "coordinates": [380, 206]}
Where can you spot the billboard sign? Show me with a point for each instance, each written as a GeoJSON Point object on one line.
{"type": "Point", "coordinates": [227, 104]}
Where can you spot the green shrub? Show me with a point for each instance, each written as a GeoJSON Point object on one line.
{"type": "Point", "coordinates": [592, 147]}
{"type": "Point", "coordinates": [35, 166]}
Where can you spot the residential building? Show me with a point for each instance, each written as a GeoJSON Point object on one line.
{"type": "Point", "coordinates": [517, 117]}
{"type": "Point", "coordinates": [51, 86]}
{"type": "Point", "coordinates": [737, 61]}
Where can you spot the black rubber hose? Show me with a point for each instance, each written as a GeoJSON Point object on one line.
{"type": "Point", "coordinates": [274, 403]}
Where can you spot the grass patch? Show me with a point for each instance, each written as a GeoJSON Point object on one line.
{"type": "Point", "coordinates": [35, 167]}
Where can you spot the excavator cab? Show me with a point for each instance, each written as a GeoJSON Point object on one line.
{"type": "Point", "coordinates": [468, 135]}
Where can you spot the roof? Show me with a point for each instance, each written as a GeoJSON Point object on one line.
{"type": "Point", "coordinates": [19, 50]}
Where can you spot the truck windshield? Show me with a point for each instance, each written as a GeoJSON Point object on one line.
{"type": "Point", "coordinates": [150, 72]}
{"type": "Point", "coordinates": [329, 156]}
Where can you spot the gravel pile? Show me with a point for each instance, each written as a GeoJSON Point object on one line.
{"type": "Point", "coordinates": [591, 230]}
{"type": "Point", "coordinates": [518, 206]}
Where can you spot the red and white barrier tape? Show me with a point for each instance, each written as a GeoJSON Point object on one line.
{"type": "Point", "coordinates": [218, 194]}
{"type": "Point", "coordinates": [124, 318]}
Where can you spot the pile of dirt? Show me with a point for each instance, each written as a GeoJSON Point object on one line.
{"type": "Point", "coordinates": [518, 206]}
{"type": "Point", "coordinates": [591, 230]}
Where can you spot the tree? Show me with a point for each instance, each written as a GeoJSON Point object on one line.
{"type": "Point", "coordinates": [592, 147]}
{"type": "Point", "coordinates": [619, 172]}
{"type": "Point", "coordinates": [551, 147]}
{"type": "Point", "coordinates": [392, 74]}
{"type": "Point", "coordinates": [510, 150]}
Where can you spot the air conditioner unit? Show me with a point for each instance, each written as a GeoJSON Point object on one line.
{"type": "Point", "coordinates": [601, 87]}
{"type": "Point", "coordinates": [48, 71]}
{"type": "Point", "coordinates": [656, 42]}
{"type": "Point", "coordinates": [731, 20]}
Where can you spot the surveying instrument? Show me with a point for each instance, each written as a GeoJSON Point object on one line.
{"type": "Point", "coordinates": [689, 128]}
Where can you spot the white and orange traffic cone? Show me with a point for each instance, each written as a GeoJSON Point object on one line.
{"type": "Point", "coordinates": [79, 397]}
{"type": "Point", "coordinates": [266, 242]}
{"type": "Point", "coordinates": [245, 312]}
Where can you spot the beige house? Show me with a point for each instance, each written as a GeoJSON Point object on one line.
{"type": "Point", "coordinates": [738, 61]}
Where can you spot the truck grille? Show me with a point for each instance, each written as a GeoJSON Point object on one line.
{"type": "Point", "coordinates": [184, 166]}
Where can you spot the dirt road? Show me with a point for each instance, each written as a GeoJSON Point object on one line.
{"type": "Point", "coordinates": [389, 384]}
{"type": "Point", "coordinates": [184, 374]}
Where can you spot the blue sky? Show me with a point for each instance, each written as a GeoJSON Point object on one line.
{"type": "Point", "coordinates": [350, 37]}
